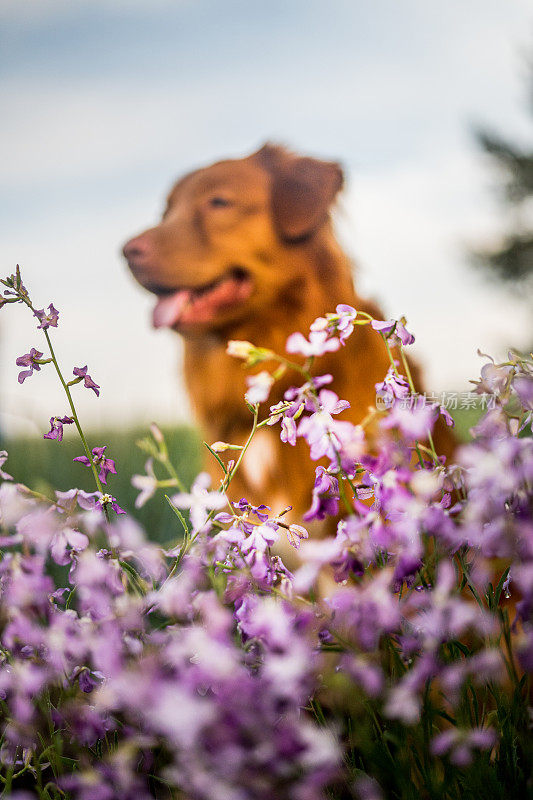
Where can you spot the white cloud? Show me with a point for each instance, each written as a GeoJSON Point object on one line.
{"type": "Point", "coordinates": [95, 130]}
{"type": "Point", "coordinates": [410, 230]}
{"type": "Point", "coordinates": [410, 215]}
{"type": "Point", "coordinates": [33, 12]}
{"type": "Point", "coordinates": [105, 323]}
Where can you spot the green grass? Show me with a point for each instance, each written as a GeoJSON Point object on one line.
{"type": "Point", "coordinates": [45, 465]}
{"type": "Point", "coordinates": [465, 419]}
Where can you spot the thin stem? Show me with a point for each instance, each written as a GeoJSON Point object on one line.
{"type": "Point", "coordinates": [243, 451]}
{"type": "Point", "coordinates": [189, 540]}
{"type": "Point", "coordinates": [172, 472]}
{"type": "Point", "coordinates": [391, 357]}
{"type": "Point", "coordinates": [405, 363]}
{"type": "Point", "coordinates": [293, 365]}
{"type": "Point", "coordinates": [76, 421]}
{"type": "Point", "coordinates": [74, 414]}
{"type": "Point", "coordinates": [407, 370]}
{"type": "Point", "coordinates": [88, 453]}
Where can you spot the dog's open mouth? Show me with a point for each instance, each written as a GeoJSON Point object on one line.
{"type": "Point", "coordinates": [202, 304]}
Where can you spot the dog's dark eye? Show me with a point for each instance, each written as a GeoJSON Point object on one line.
{"type": "Point", "coordinates": [219, 202]}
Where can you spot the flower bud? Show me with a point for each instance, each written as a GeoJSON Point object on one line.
{"type": "Point", "coordinates": [240, 349]}
{"type": "Point", "coordinates": [220, 447]}
{"type": "Point", "coordinates": [156, 433]}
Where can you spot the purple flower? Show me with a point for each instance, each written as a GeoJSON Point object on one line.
{"type": "Point", "coordinates": [346, 314]}
{"type": "Point", "coordinates": [261, 537]}
{"type": "Point", "coordinates": [483, 667]}
{"type": "Point", "coordinates": [318, 344]}
{"type": "Point", "coordinates": [259, 511]}
{"type": "Point", "coordinates": [523, 386]}
{"type": "Point", "coordinates": [47, 320]}
{"type": "Point", "coordinates": [88, 679]}
{"type": "Point", "coordinates": [325, 500]}
{"type": "Point", "coordinates": [495, 378]}
{"type": "Point", "coordinates": [305, 394]}
{"type": "Point", "coordinates": [66, 543]}
{"type": "Point", "coordinates": [364, 673]}
{"type": "Point", "coordinates": [394, 386]}
{"type": "Point", "coordinates": [30, 360]}
{"type": "Point", "coordinates": [105, 465]}
{"type": "Point", "coordinates": [394, 330]}
{"type": "Point", "coordinates": [3, 459]}
{"type": "Point", "coordinates": [81, 373]}
{"type": "Point", "coordinates": [285, 412]}
{"type": "Point", "coordinates": [415, 422]}
{"type": "Point", "coordinates": [506, 584]}
{"type": "Point", "coordinates": [367, 788]}
{"type": "Point", "coordinates": [56, 427]}
{"type": "Point", "coordinates": [67, 501]}
{"type": "Point", "coordinates": [441, 614]}
{"type": "Point", "coordinates": [458, 743]}
{"type": "Point", "coordinates": [404, 699]}
{"type": "Point", "coordinates": [364, 613]}
{"type": "Point", "coordinates": [443, 411]}
{"type": "Point", "coordinates": [125, 536]}
{"type": "Point", "coordinates": [288, 430]}
{"type": "Point", "coordinates": [340, 323]}
{"type": "Point", "coordinates": [322, 433]}
{"type": "Point", "coordinates": [108, 499]}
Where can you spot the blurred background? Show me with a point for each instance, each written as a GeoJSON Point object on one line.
{"type": "Point", "coordinates": [106, 102]}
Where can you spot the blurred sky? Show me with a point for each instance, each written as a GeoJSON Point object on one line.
{"type": "Point", "coordinates": [105, 102]}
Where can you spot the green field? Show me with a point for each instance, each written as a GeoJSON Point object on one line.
{"type": "Point", "coordinates": [45, 465]}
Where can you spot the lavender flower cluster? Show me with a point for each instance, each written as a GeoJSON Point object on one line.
{"type": "Point", "coordinates": [394, 657]}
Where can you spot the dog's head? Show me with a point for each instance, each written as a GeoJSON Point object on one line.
{"type": "Point", "coordinates": [225, 247]}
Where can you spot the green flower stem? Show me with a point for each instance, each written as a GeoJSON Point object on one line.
{"type": "Point", "coordinates": [231, 475]}
{"type": "Point", "coordinates": [76, 420]}
{"type": "Point", "coordinates": [413, 389]}
{"type": "Point", "coordinates": [407, 370]}
{"type": "Point", "coordinates": [37, 495]}
{"type": "Point", "coordinates": [391, 358]}
{"type": "Point", "coordinates": [88, 453]}
{"type": "Point", "coordinates": [342, 490]}
{"type": "Point", "coordinates": [189, 540]}
{"type": "Point", "coordinates": [506, 631]}
{"type": "Point", "coordinates": [293, 365]}
{"type": "Point", "coordinates": [174, 477]}
{"type": "Point", "coordinates": [170, 482]}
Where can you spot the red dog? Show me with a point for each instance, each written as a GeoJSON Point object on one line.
{"type": "Point", "coordinates": [246, 250]}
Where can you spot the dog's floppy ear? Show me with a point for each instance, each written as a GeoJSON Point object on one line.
{"type": "Point", "coordinates": [303, 190]}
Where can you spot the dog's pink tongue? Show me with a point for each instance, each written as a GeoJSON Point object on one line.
{"type": "Point", "coordinates": [168, 309]}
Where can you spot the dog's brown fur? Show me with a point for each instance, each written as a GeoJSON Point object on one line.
{"type": "Point", "coordinates": [262, 225]}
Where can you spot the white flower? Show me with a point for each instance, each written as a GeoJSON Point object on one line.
{"type": "Point", "coordinates": [318, 344]}
{"type": "Point", "coordinates": [258, 387]}
{"type": "Point", "coordinates": [199, 501]}
{"type": "Point", "coordinates": [147, 484]}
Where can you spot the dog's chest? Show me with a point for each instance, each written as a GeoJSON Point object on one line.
{"type": "Point", "coordinates": [216, 385]}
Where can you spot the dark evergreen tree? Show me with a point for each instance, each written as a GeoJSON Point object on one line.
{"type": "Point", "coordinates": [512, 260]}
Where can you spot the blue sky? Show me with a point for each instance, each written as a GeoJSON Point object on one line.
{"type": "Point", "coordinates": [105, 102]}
